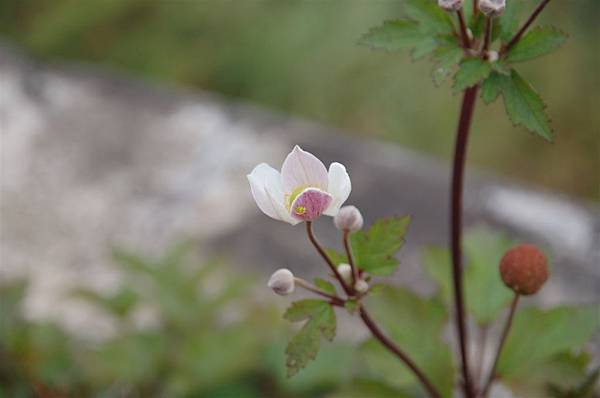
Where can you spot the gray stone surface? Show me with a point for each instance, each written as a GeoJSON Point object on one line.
{"type": "Point", "coordinates": [91, 160]}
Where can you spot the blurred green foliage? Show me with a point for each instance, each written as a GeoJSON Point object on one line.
{"type": "Point", "coordinates": [207, 337]}
{"type": "Point", "coordinates": [300, 57]}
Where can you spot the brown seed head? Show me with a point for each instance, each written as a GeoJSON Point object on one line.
{"type": "Point", "coordinates": [524, 269]}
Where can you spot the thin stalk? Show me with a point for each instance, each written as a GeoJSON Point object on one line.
{"type": "Point", "coordinates": [348, 249]}
{"type": "Point", "coordinates": [391, 346]}
{"type": "Point", "coordinates": [311, 288]}
{"type": "Point", "coordinates": [525, 26]}
{"type": "Point", "coordinates": [458, 168]}
{"type": "Point", "coordinates": [475, 7]}
{"type": "Point", "coordinates": [325, 257]}
{"type": "Point", "coordinates": [513, 308]}
{"type": "Point", "coordinates": [488, 37]}
{"type": "Point", "coordinates": [464, 33]}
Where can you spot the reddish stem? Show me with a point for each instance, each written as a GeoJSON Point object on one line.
{"type": "Point", "coordinates": [490, 380]}
{"type": "Point", "coordinates": [525, 26]}
{"type": "Point", "coordinates": [391, 346]}
{"type": "Point", "coordinates": [464, 33]}
{"type": "Point", "coordinates": [348, 249]}
{"type": "Point", "coordinates": [462, 135]}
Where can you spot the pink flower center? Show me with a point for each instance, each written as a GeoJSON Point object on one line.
{"type": "Point", "coordinates": [310, 204]}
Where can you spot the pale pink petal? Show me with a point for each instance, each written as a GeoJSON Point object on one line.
{"type": "Point", "coordinates": [310, 204]}
{"type": "Point", "coordinates": [262, 176]}
{"type": "Point", "coordinates": [282, 212]}
{"type": "Point", "coordinates": [339, 187]}
{"type": "Point", "coordinates": [302, 169]}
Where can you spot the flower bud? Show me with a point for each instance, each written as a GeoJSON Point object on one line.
{"type": "Point", "coordinates": [345, 271]}
{"type": "Point", "coordinates": [492, 8]}
{"type": "Point", "coordinates": [524, 269]}
{"type": "Point", "coordinates": [450, 5]}
{"type": "Point", "coordinates": [492, 56]}
{"type": "Point", "coordinates": [282, 282]}
{"type": "Point", "coordinates": [348, 219]}
{"type": "Point", "coordinates": [361, 286]}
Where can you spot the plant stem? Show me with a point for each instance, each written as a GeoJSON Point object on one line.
{"type": "Point", "coordinates": [475, 7]}
{"type": "Point", "coordinates": [488, 37]}
{"type": "Point", "coordinates": [325, 257]}
{"type": "Point", "coordinates": [525, 26]}
{"type": "Point", "coordinates": [464, 35]}
{"type": "Point", "coordinates": [458, 168]}
{"type": "Point", "coordinates": [513, 307]}
{"type": "Point", "coordinates": [350, 257]}
{"type": "Point", "coordinates": [306, 285]}
{"type": "Point", "coordinates": [391, 346]}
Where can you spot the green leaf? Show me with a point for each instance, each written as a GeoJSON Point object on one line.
{"type": "Point", "coordinates": [362, 388]}
{"type": "Point", "coordinates": [416, 324]}
{"type": "Point", "coordinates": [509, 21]}
{"type": "Point", "coordinates": [305, 345]}
{"type": "Point", "coordinates": [485, 292]}
{"type": "Point", "coordinates": [351, 306]}
{"type": "Point", "coordinates": [524, 106]}
{"type": "Point", "coordinates": [393, 35]}
{"type": "Point", "coordinates": [537, 42]}
{"type": "Point", "coordinates": [424, 48]}
{"type": "Point", "coordinates": [374, 250]}
{"type": "Point", "coordinates": [431, 18]}
{"type": "Point", "coordinates": [445, 58]}
{"type": "Point", "coordinates": [538, 335]}
{"type": "Point", "coordinates": [490, 88]}
{"type": "Point", "coordinates": [324, 285]}
{"type": "Point", "coordinates": [471, 72]}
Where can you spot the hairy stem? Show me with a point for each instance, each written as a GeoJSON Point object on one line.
{"type": "Point", "coordinates": [391, 346]}
{"type": "Point", "coordinates": [325, 257]}
{"type": "Point", "coordinates": [458, 168]}
{"type": "Point", "coordinates": [525, 26]}
{"type": "Point", "coordinates": [492, 375]}
{"type": "Point", "coordinates": [348, 249]}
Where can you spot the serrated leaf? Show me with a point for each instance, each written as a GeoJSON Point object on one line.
{"type": "Point", "coordinates": [485, 292]}
{"type": "Point", "coordinates": [524, 106]}
{"type": "Point", "coordinates": [445, 59]}
{"type": "Point", "coordinates": [374, 251]}
{"type": "Point", "coordinates": [490, 88]}
{"type": "Point", "coordinates": [305, 345]}
{"type": "Point", "coordinates": [324, 285]}
{"type": "Point", "coordinates": [431, 18]}
{"type": "Point", "coordinates": [393, 35]}
{"type": "Point", "coordinates": [538, 335]}
{"type": "Point", "coordinates": [537, 42]}
{"type": "Point", "coordinates": [471, 72]}
{"type": "Point", "coordinates": [410, 320]}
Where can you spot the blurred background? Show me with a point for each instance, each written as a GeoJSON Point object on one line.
{"type": "Point", "coordinates": [128, 127]}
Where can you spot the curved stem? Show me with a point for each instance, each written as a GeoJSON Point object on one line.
{"type": "Point", "coordinates": [325, 257]}
{"type": "Point", "coordinates": [391, 346]}
{"type": "Point", "coordinates": [525, 26]}
{"type": "Point", "coordinates": [350, 257]}
{"type": "Point", "coordinates": [458, 168]}
{"type": "Point", "coordinates": [513, 307]}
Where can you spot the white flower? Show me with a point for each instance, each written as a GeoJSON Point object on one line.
{"type": "Point", "coordinates": [282, 282]}
{"type": "Point", "coordinates": [302, 191]}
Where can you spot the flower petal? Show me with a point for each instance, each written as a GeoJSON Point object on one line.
{"type": "Point", "coordinates": [339, 187]}
{"type": "Point", "coordinates": [310, 204]}
{"type": "Point", "coordinates": [262, 176]}
{"type": "Point", "coordinates": [303, 169]}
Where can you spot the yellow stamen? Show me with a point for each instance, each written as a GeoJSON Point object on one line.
{"type": "Point", "coordinates": [300, 210]}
